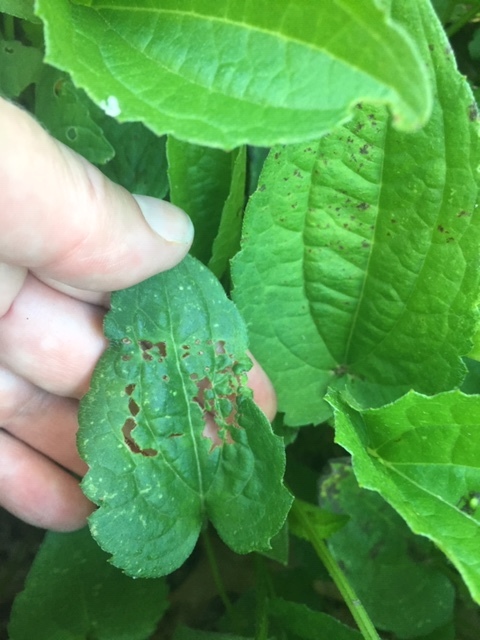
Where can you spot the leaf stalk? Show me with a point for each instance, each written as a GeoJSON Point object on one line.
{"type": "Point", "coordinates": [356, 608]}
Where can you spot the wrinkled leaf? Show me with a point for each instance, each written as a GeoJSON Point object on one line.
{"type": "Point", "coordinates": [371, 274]}
{"type": "Point", "coordinates": [392, 571]}
{"type": "Point", "coordinates": [64, 111]}
{"type": "Point", "coordinates": [308, 624]}
{"type": "Point", "coordinates": [200, 183]}
{"type": "Point", "coordinates": [422, 455]}
{"type": "Point", "coordinates": [177, 351]}
{"type": "Point", "coordinates": [73, 592]}
{"type": "Point", "coordinates": [227, 73]}
{"type": "Point", "coordinates": [19, 67]}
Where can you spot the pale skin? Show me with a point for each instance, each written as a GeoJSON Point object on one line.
{"type": "Point", "coordinates": [68, 237]}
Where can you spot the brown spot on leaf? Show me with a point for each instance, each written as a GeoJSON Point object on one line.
{"type": "Point", "coordinates": [145, 345]}
{"type": "Point", "coordinates": [129, 389]}
{"type": "Point", "coordinates": [364, 150]}
{"type": "Point", "coordinates": [363, 206]}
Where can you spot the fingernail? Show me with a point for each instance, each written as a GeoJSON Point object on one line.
{"type": "Point", "coordinates": [170, 222]}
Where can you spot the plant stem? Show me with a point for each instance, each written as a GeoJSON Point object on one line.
{"type": "Point", "coordinates": [461, 22]}
{"type": "Point", "coordinates": [262, 589]}
{"type": "Point", "coordinates": [217, 579]}
{"type": "Point", "coordinates": [356, 608]}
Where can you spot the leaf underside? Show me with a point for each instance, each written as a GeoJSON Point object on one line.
{"type": "Point", "coordinates": [225, 74]}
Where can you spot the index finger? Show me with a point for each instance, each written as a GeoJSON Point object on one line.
{"type": "Point", "coordinates": [66, 221]}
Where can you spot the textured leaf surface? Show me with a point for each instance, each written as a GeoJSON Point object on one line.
{"type": "Point", "coordinates": [177, 343]}
{"type": "Point", "coordinates": [394, 573]}
{"type": "Point", "coordinates": [422, 455]}
{"type": "Point", "coordinates": [64, 111]}
{"type": "Point", "coordinates": [73, 592]}
{"type": "Point", "coordinates": [227, 73]}
{"type": "Point", "coordinates": [371, 274]}
{"type": "Point", "coordinates": [19, 67]}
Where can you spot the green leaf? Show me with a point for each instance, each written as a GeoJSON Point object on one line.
{"type": "Point", "coordinates": [471, 383]}
{"type": "Point", "coordinates": [422, 455]}
{"type": "Point", "coordinates": [226, 73]}
{"type": "Point", "coordinates": [227, 241]}
{"type": "Point", "coordinates": [64, 111]}
{"type": "Point", "coordinates": [392, 571]}
{"type": "Point", "coordinates": [280, 546]}
{"type": "Point", "coordinates": [19, 8]}
{"type": "Point", "coordinates": [177, 351]}
{"type": "Point", "coordinates": [308, 624]}
{"type": "Point", "coordinates": [200, 183]}
{"type": "Point", "coordinates": [370, 278]}
{"type": "Point", "coordinates": [72, 592]}
{"type": "Point", "coordinates": [322, 521]}
{"type": "Point", "coordinates": [19, 67]}
{"type": "Point", "coordinates": [140, 160]}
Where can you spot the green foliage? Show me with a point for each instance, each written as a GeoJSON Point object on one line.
{"type": "Point", "coordinates": [373, 231]}
{"type": "Point", "coordinates": [73, 592]}
{"type": "Point", "coordinates": [254, 65]}
{"type": "Point", "coordinates": [421, 454]}
{"type": "Point", "coordinates": [328, 154]}
{"type": "Point", "coordinates": [402, 590]}
{"type": "Point", "coordinates": [177, 355]}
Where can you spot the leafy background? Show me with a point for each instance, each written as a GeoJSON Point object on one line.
{"type": "Point", "coordinates": [355, 269]}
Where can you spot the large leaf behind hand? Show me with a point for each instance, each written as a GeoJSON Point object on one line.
{"type": "Point", "coordinates": [225, 73]}
{"type": "Point", "coordinates": [360, 253]}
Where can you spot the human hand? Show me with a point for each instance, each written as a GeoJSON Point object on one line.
{"type": "Point", "coordinates": [68, 237]}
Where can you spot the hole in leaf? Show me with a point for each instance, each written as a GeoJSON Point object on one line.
{"type": "Point", "coordinates": [126, 341]}
{"type": "Point", "coordinates": [71, 133]}
{"type": "Point", "coordinates": [162, 349]}
{"type": "Point", "coordinates": [220, 347]}
{"type": "Point", "coordinates": [127, 429]}
{"type": "Point", "coordinates": [133, 407]}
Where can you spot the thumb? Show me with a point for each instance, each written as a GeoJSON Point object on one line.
{"type": "Point", "coordinates": [64, 220]}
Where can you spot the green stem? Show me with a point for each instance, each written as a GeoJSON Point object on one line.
{"type": "Point", "coordinates": [356, 608]}
{"type": "Point", "coordinates": [461, 22]}
{"type": "Point", "coordinates": [217, 578]}
{"type": "Point", "coordinates": [263, 590]}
